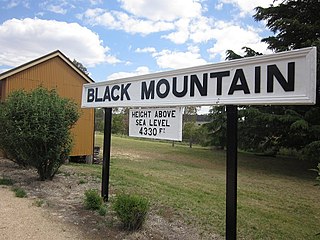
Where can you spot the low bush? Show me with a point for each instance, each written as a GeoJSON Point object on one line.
{"type": "Point", "coordinates": [35, 129]}
{"type": "Point", "coordinates": [131, 210]}
{"type": "Point", "coordinates": [6, 181]}
{"type": "Point", "coordinates": [39, 202]}
{"type": "Point", "coordinates": [92, 200]}
{"type": "Point", "coordinates": [102, 210]}
{"type": "Point", "coordinates": [311, 152]}
{"type": "Point", "coordinates": [82, 181]}
{"type": "Point", "coordinates": [19, 192]}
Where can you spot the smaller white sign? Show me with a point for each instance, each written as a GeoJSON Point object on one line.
{"type": "Point", "coordinates": [157, 123]}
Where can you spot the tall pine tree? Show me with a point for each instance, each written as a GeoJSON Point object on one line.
{"type": "Point", "coordinates": [295, 24]}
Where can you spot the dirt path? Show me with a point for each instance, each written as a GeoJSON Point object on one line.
{"type": "Point", "coordinates": [20, 219]}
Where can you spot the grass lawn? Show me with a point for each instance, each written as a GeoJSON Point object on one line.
{"type": "Point", "coordinates": [277, 198]}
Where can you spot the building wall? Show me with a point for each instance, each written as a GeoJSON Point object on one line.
{"type": "Point", "coordinates": [55, 73]}
{"type": "Point", "coordinates": [2, 90]}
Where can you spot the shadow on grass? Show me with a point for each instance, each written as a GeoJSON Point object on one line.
{"type": "Point", "coordinates": [285, 166]}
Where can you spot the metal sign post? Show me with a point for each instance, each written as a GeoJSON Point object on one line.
{"type": "Point", "coordinates": [106, 154]}
{"type": "Point", "coordinates": [232, 162]}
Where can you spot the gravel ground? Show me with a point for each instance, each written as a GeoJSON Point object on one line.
{"type": "Point", "coordinates": [20, 219]}
{"type": "Point", "coordinates": [63, 216]}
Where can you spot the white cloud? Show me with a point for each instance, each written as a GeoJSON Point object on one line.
{"type": "Point", "coordinates": [182, 34]}
{"type": "Point", "coordinates": [176, 60]}
{"type": "Point", "coordinates": [226, 35]}
{"type": "Point", "coordinates": [247, 7]}
{"type": "Point", "coordinates": [199, 30]}
{"type": "Point", "coordinates": [12, 4]}
{"type": "Point", "coordinates": [202, 29]}
{"type": "Point", "coordinates": [218, 6]}
{"type": "Point", "coordinates": [193, 49]}
{"type": "Point", "coordinates": [163, 10]}
{"type": "Point", "coordinates": [180, 27]}
{"type": "Point", "coordinates": [234, 37]}
{"type": "Point", "coordinates": [146, 50]}
{"type": "Point", "coordinates": [223, 35]}
{"type": "Point", "coordinates": [26, 39]}
{"type": "Point", "coordinates": [121, 21]}
{"type": "Point", "coordinates": [56, 6]}
{"type": "Point", "coordinates": [139, 71]}
{"type": "Point", "coordinates": [166, 59]}
{"type": "Point", "coordinates": [56, 9]}
{"type": "Point", "coordinates": [96, 2]}
{"type": "Point", "coordinates": [145, 17]}
{"type": "Point", "coordinates": [7, 4]}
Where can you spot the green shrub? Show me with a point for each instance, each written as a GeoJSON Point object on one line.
{"type": "Point", "coordinates": [92, 200]}
{"type": "Point", "coordinates": [19, 192]}
{"type": "Point", "coordinates": [82, 181]}
{"type": "Point", "coordinates": [6, 181]}
{"type": "Point", "coordinates": [35, 129]}
{"type": "Point", "coordinates": [311, 152]}
{"type": "Point", "coordinates": [131, 210]}
{"type": "Point", "coordinates": [102, 210]}
{"type": "Point", "coordinates": [39, 202]}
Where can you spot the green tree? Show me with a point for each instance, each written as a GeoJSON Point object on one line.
{"type": "Point", "coordinates": [189, 130]}
{"type": "Point", "coordinates": [268, 128]}
{"type": "Point", "coordinates": [99, 119]}
{"type": "Point", "coordinates": [80, 66]}
{"type": "Point", "coordinates": [249, 52]}
{"type": "Point", "coordinates": [121, 122]}
{"type": "Point", "coordinates": [217, 128]}
{"type": "Point", "coordinates": [118, 123]}
{"type": "Point", "coordinates": [295, 24]}
{"type": "Point", "coordinates": [35, 129]}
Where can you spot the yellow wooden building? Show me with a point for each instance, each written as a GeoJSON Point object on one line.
{"type": "Point", "coordinates": [55, 70]}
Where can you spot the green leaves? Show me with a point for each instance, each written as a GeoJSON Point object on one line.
{"type": "Point", "coordinates": [311, 152]}
{"type": "Point", "coordinates": [131, 210]}
{"type": "Point", "coordinates": [92, 200]}
{"type": "Point", "coordinates": [296, 24]}
{"type": "Point", "coordinates": [299, 125]}
{"type": "Point", "coordinates": [35, 129]}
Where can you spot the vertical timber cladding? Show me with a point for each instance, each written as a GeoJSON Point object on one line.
{"type": "Point", "coordinates": [285, 78]}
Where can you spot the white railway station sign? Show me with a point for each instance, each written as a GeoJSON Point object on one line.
{"type": "Point", "coordinates": [158, 123]}
{"type": "Point", "coordinates": [285, 78]}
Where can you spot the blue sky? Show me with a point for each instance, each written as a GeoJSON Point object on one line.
{"type": "Point", "coordinates": [119, 38]}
